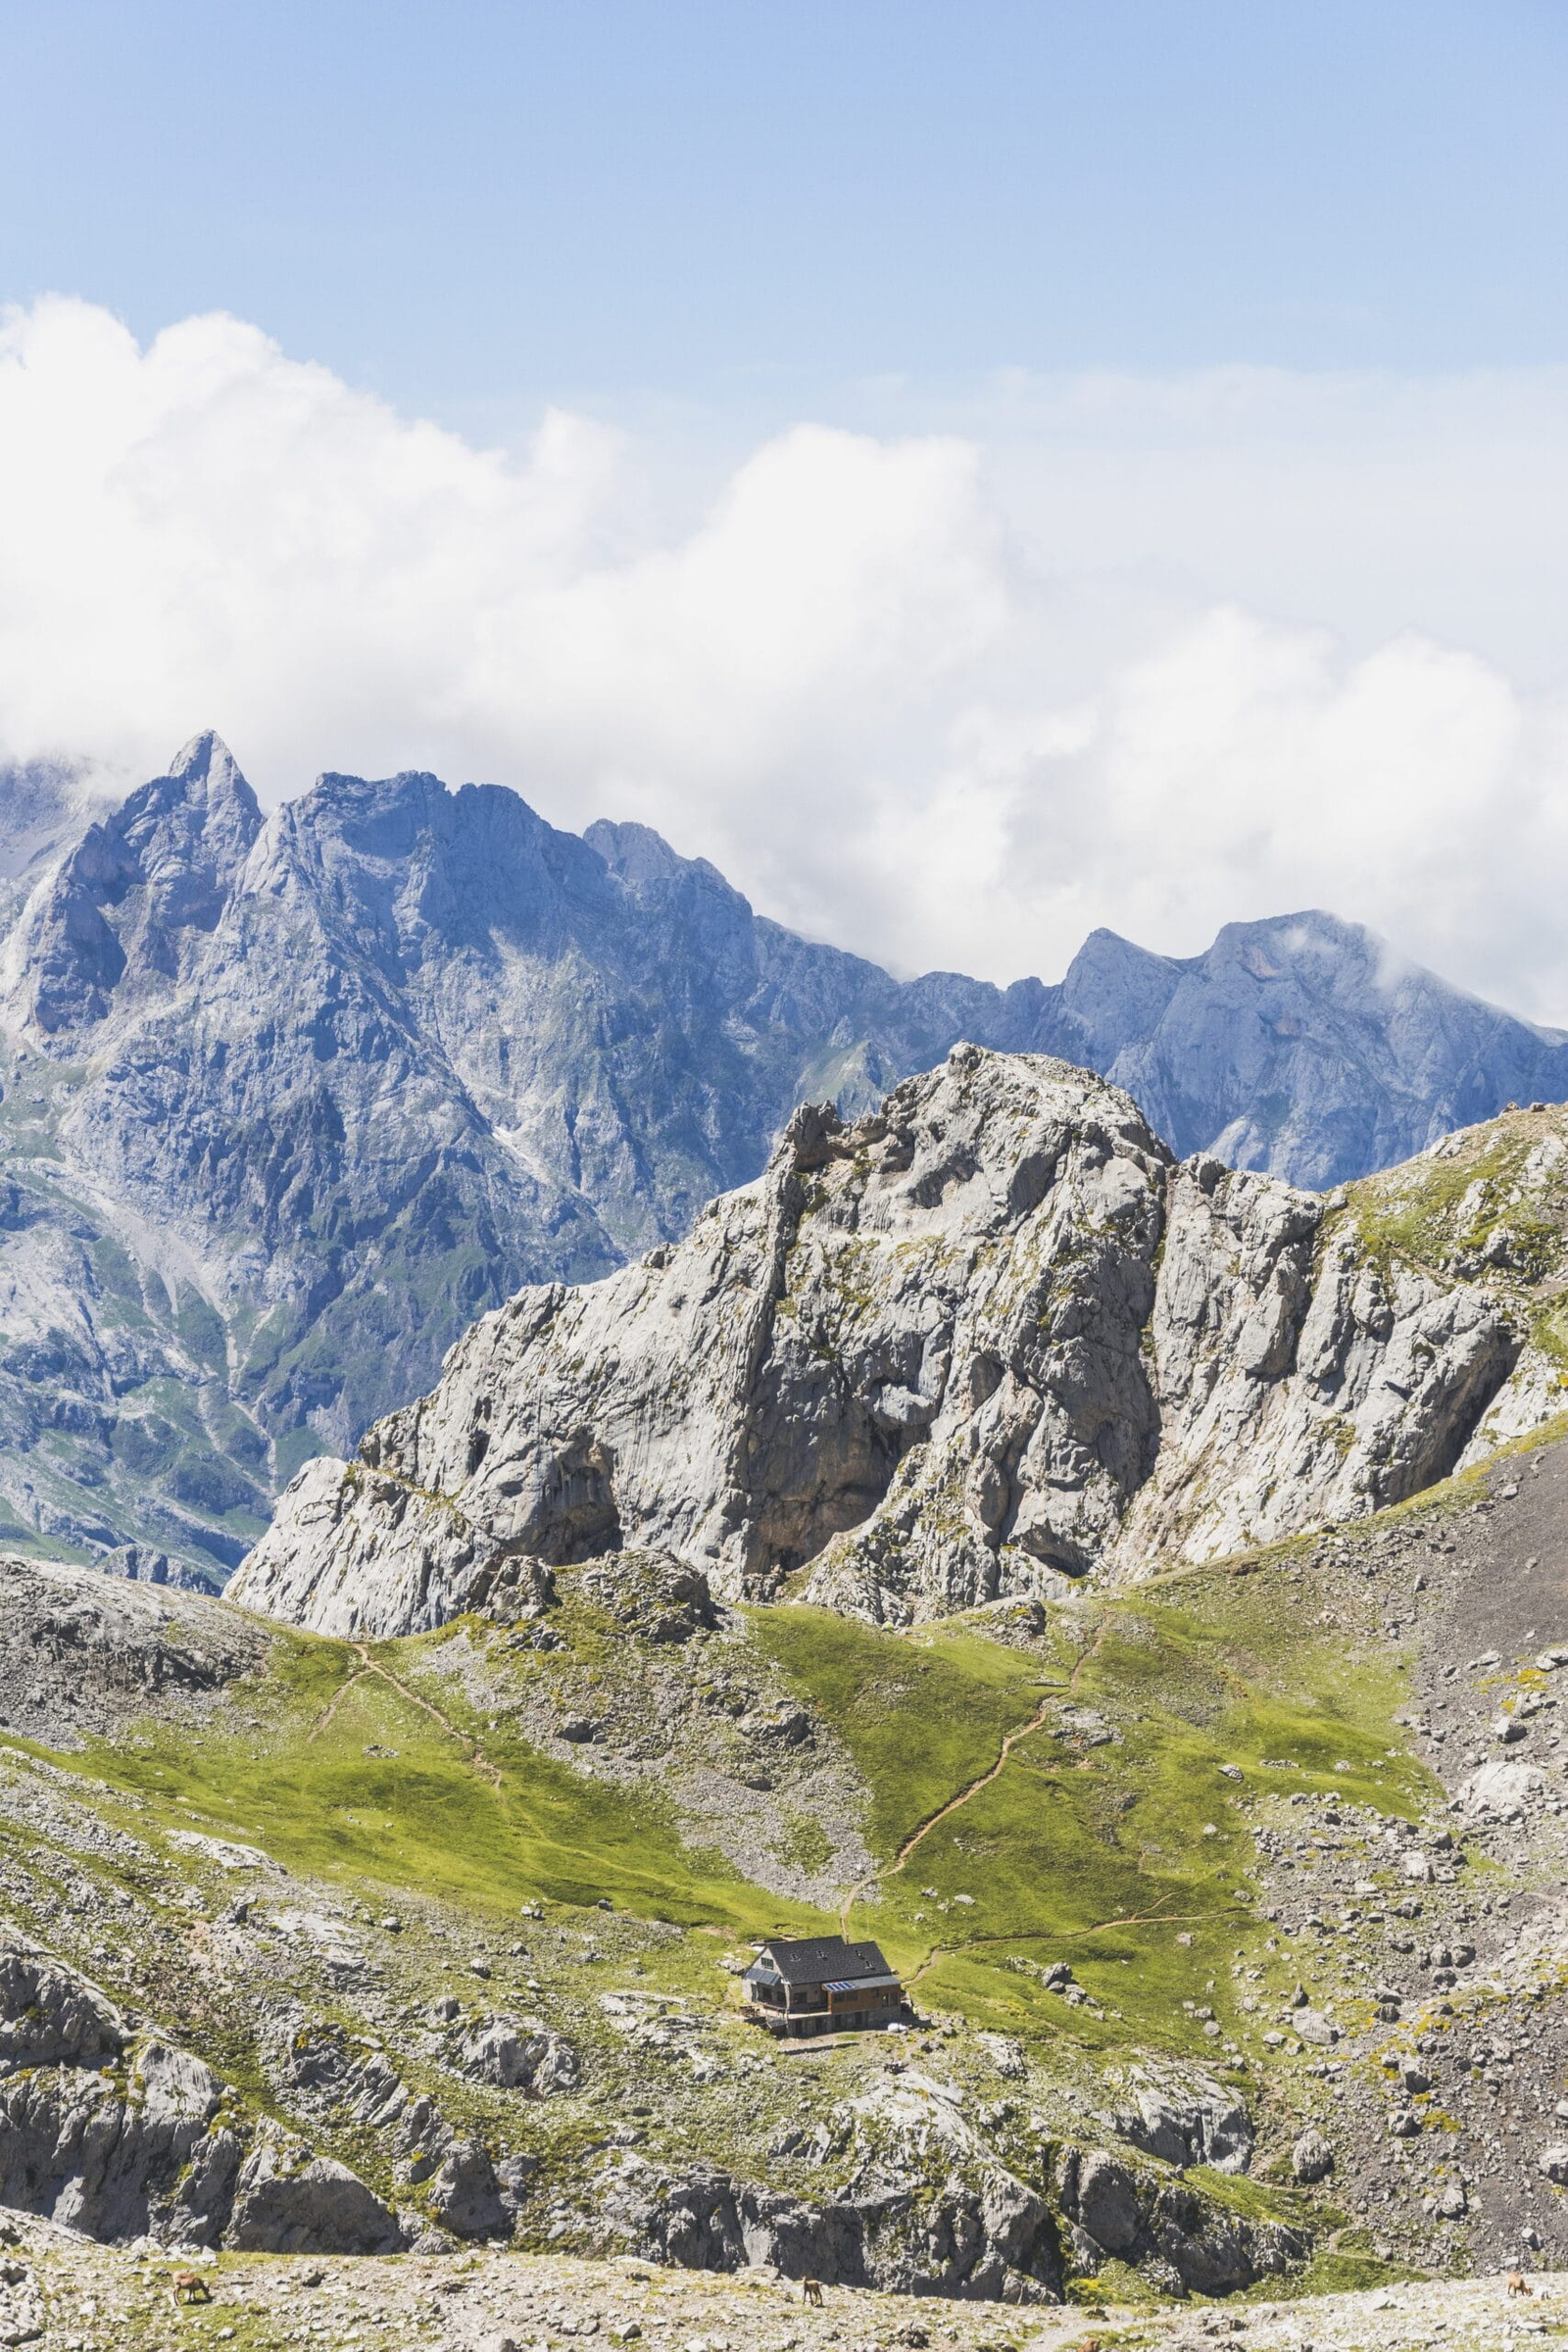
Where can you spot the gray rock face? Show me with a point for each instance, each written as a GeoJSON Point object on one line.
{"type": "Point", "coordinates": [1189, 2121]}
{"type": "Point", "coordinates": [932, 2208]}
{"type": "Point", "coordinates": [1178, 2238]}
{"type": "Point", "coordinates": [287, 1102]}
{"type": "Point", "coordinates": [121, 2136]}
{"type": "Point", "coordinates": [1311, 2158]}
{"type": "Point", "coordinates": [939, 2217]}
{"type": "Point", "coordinates": [1301, 1045]}
{"type": "Point", "coordinates": [51, 2016]}
{"type": "Point", "coordinates": [466, 2195]}
{"type": "Point", "coordinates": [82, 1654]}
{"type": "Point", "coordinates": [988, 1337]}
{"type": "Point", "coordinates": [285, 2203]}
{"type": "Point", "coordinates": [520, 2057]}
{"type": "Point", "coordinates": [113, 2156]}
{"type": "Point", "coordinates": [990, 2240]}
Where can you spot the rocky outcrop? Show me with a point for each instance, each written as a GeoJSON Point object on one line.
{"type": "Point", "coordinates": [102, 2132]}
{"type": "Point", "coordinates": [931, 2208]}
{"type": "Point", "coordinates": [82, 1654]}
{"type": "Point", "coordinates": [465, 2194]}
{"type": "Point", "coordinates": [1179, 2238]}
{"type": "Point", "coordinates": [1188, 2118]}
{"type": "Point", "coordinates": [1297, 1379]}
{"type": "Point", "coordinates": [117, 2134]}
{"type": "Point", "coordinates": [989, 1337]}
{"type": "Point", "coordinates": [955, 2242]}
{"type": "Point", "coordinates": [51, 2016]}
{"type": "Point", "coordinates": [289, 2202]}
{"type": "Point", "coordinates": [512, 2056]}
{"type": "Point", "coordinates": [23, 2318]}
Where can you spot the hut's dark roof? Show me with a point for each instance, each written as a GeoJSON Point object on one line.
{"type": "Point", "coordinates": [824, 1960]}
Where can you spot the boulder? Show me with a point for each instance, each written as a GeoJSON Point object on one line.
{"type": "Point", "coordinates": [289, 2202]}
{"type": "Point", "coordinates": [1005, 2054]}
{"type": "Point", "coordinates": [1506, 1789]}
{"type": "Point", "coordinates": [49, 2014]}
{"type": "Point", "coordinates": [1188, 2119]}
{"type": "Point", "coordinates": [520, 2057]}
{"type": "Point", "coordinates": [465, 2194]}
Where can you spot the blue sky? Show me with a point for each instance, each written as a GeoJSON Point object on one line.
{"type": "Point", "coordinates": [471, 207]}
{"type": "Point", "coordinates": [974, 471]}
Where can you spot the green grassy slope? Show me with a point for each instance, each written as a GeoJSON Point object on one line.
{"type": "Point", "coordinates": [1127, 1855]}
{"type": "Point", "coordinates": [1130, 1858]}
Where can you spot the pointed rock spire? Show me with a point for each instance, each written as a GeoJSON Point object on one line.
{"type": "Point", "coordinates": [197, 758]}
{"type": "Point", "coordinates": [209, 772]}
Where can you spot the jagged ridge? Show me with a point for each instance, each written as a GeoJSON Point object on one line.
{"type": "Point", "coordinates": [989, 1337]}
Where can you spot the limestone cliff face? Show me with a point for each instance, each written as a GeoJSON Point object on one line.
{"type": "Point", "coordinates": [988, 1337]}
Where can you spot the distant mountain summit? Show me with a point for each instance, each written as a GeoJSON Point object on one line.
{"type": "Point", "coordinates": [289, 1100]}
{"type": "Point", "coordinates": [1300, 1046]}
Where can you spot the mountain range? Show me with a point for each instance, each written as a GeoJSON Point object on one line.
{"type": "Point", "coordinates": [1118, 1599]}
{"type": "Point", "coordinates": [289, 1099]}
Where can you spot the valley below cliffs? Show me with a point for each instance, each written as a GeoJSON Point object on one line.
{"type": "Point", "coordinates": [1131, 1587]}
{"type": "Point", "coordinates": [1229, 1904]}
{"type": "Point", "coordinates": [1162, 1668]}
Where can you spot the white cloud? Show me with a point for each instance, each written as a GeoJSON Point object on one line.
{"type": "Point", "coordinates": [948, 698]}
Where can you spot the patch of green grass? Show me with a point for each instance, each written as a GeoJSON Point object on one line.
{"type": "Point", "coordinates": [420, 1814]}
{"type": "Point", "coordinates": [1335, 2273]}
{"type": "Point", "coordinates": [1131, 1860]}
{"type": "Point", "coordinates": [921, 1714]}
{"type": "Point", "coordinates": [1439, 1211]}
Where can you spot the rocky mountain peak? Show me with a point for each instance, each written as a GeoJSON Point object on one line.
{"type": "Point", "coordinates": [987, 1337]}
{"type": "Point", "coordinates": [190, 831]}
{"type": "Point", "coordinates": [129, 907]}
{"type": "Point", "coordinates": [635, 853]}
{"type": "Point", "coordinates": [1112, 985]}
{"type": "Point", "coordinates": [205, 764]}
{"type": "Point", "coordinates": [405, 857]}
{"type": "Point", "coordinates": [637, 856]}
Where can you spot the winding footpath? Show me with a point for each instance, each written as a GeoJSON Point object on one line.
{"type": "Point", "coordinates": [476, 1758]}
{"type": "Point", "coordinates": [969, 1790]}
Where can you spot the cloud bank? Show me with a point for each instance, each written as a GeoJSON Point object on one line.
{"type": "Point", "coordinates": [879, 677]}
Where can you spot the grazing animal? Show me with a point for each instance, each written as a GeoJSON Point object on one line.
{"type": "Point", "coordinates": [189, 2287]}
{"type": "Point", "coordinates": [1518, 2283]}
{"type": "Point", "coordinates": [812, 2291]}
